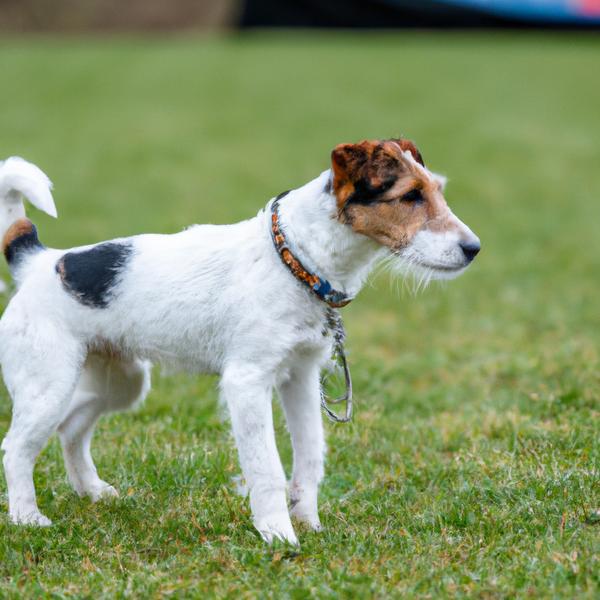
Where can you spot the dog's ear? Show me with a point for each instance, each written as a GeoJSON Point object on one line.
{"type": "Point", "coordinates": [409, 146]}
{"type": "Point", "coordinates": [363, 171]}
{"type": "Point", "coordinates": [347, 160]}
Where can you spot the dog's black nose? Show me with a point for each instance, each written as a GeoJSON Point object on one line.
{"type": "Point", "coordinates": [470, 249]}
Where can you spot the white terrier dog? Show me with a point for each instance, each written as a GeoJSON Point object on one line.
{"type": "Point", "coordinates": [248, 301]}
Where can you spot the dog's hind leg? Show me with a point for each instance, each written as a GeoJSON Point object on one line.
{"type": "Point", "coordinates": [41, 371]}
{"type": "Point", "coordinates": [106, 384]}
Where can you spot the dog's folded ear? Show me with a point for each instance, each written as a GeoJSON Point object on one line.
{"type": "Point", "coordinates": [363, 171]}
{"type": "Point", "coordinates": [355, 169]}
{"type": "Point", "coordinates": [409, 146]}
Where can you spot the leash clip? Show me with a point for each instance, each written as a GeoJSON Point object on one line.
{"type": "Point", "coordinates": [336, 326]}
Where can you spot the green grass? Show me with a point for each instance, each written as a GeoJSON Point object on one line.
{"type": "Point", "coordinates": [472, 466]}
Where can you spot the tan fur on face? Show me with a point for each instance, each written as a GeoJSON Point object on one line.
{"type": "Point", "coordinates": [370, 179]}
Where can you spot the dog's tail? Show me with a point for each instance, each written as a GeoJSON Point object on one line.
{"type": "Point", "coordinates": [20, 179]}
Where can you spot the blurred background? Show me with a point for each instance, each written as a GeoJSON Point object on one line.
{"type": "Point", "coordinates": [151, 115]}
{"type": "Point", "coordinates": [476, 432]}
{"type": "Point", "coordinates": [111, 15]}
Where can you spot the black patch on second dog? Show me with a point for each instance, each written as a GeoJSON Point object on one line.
{"type": "Point", "coordinates": [280, 196]}
{"type": "Point", "coordinates": [92, 275]}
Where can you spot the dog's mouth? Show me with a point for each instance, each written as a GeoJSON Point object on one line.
{"type": "Point", "coordinates": [439, 271]}
{"type": "Point", "coordinates": [443, 268]}
{"type": "Point", "coordinates": [412, 264]}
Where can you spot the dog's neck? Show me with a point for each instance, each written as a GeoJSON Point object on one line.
{"type": "Point", "coordinates": [328, 248]}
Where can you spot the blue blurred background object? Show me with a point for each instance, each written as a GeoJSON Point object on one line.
{"type": "Point", "coordinates": [542, 11]}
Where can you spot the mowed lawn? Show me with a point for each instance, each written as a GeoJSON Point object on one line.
{"type": "Point", "coordinates": [472, 466]}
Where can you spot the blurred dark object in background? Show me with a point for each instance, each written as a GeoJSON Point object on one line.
{"type": "Point", "coordinates": [421, 13]}
{"type": "Point", "coordinates": [361, 14]}
{"type": "Point", "coordinates": [164, 15]}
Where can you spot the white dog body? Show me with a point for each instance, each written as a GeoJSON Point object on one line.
{"type": "Point", "coordinates": [77, 337]}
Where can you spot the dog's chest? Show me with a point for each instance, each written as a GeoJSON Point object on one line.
{"type": "Point", "coordinates": [310, 335]}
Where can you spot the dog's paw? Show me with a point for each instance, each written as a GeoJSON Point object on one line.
{"type": "Point", "coordinates": [277, 526]}
{"type": "Point", "coordinates": [3, 287]}
{"type": "Point", "coordinates": [310, 518]}
{"type": "Point", "coordinates": [102, 491]}
{"type": "Point", "coordinates": [34, 518]}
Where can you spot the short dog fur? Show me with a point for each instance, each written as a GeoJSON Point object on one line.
{"type": "Point", "coordinates": [79, 335]}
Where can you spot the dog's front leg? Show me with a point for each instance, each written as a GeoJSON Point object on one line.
{"type": "Point", "coordinates": [247, 391]}
{"type": "Point", "coordinates": [301, 399]}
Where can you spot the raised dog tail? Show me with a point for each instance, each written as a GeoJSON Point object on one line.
{"type": "Point", "coordinates": [20, 179]}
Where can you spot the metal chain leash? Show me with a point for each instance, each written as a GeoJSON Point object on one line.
{"type": "Point", "coordinates": [335, 325]}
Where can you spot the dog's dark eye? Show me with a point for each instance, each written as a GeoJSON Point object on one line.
{"type": "Point", "coordinates": [414, 195]}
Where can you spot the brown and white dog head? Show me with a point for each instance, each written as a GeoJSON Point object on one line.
{"type": "Point", "coordinates": [384, 191]}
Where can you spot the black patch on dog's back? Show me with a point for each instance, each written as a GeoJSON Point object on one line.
{"type": "Point", "coordinates": [92, 275]}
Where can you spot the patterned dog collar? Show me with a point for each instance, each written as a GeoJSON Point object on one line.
{"type": "Point", "coordinates": [319, 286]}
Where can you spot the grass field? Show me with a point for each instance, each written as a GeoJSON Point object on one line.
{"type": "Point", "coordinates": [472, 466]}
